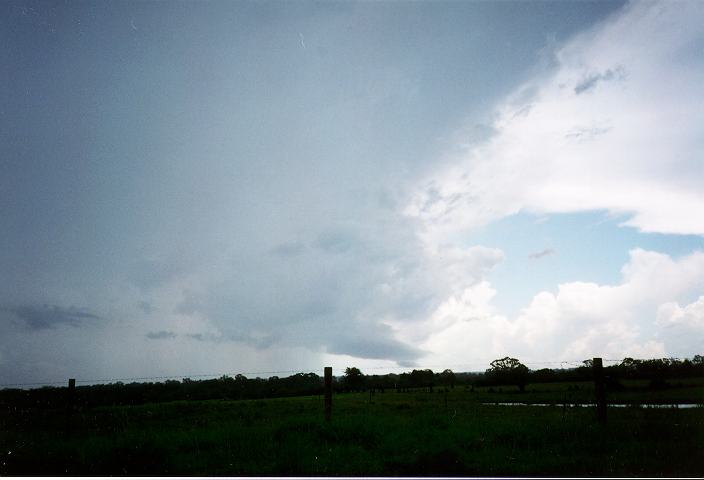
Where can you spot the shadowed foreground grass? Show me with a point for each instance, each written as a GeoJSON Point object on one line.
{"type": "Point", "coordinates": [394, 434]}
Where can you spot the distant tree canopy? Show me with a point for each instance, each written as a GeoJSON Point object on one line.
{"type": "Point", "coordinates": [503, 371]}
{"type": "Point", "coordinates": [508, 371]}
{"type": "Point", "coordinates": [422, 378]}
{"type": "Point", "coordinates": [353, 379]}
{"type": "Point", "coordinates": [658, 368]}
{"type": "Point", "coordinates": [448, 378]}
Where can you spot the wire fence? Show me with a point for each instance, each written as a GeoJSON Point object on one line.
{"type": "Point", "coordinates": [475, 363]}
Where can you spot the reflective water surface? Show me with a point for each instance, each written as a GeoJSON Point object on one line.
{"type": "Point", "coordinates": [617, 405]}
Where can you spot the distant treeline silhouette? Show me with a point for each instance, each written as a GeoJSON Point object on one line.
{"type": "Point", "coordinates": [506, 371]}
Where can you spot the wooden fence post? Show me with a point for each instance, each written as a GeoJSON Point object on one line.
{"type": "Point", "coordinates": [328, 393]}
{"type": "Point", "coordinates": [69, 402]}
{"type": "Point", "coordinates": [600, 389]}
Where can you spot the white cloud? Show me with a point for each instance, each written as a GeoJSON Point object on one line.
{"type": "Point", "coordinates": [618, 125]}
{"type": "Point", "coordinates": [633, 318]}
{"type": "Point", "coordinates": [683, 326]}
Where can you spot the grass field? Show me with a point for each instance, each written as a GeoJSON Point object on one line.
{"type": "Point", "coordinates": [689, 390]}
{"type": "Point", "coordinates": [416, 433]}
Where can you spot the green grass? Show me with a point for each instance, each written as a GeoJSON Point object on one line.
{"type": "Point", "coordinates": [413, 433]}
{"type": "Point", "coordinates": [689, 390]}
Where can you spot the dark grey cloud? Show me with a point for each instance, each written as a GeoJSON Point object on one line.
{"type": "Point", "coordinates": [375, 347]}
{"type": "Point", "coordinates": [591, 81]}
{"type": "Point", "coordinates": [150, 273]}
{"type": "Point", "coordinates": [337, 241]}
{"type": "Point", "coordinates": [190, 303]}
{"type": "Point", "coordinates": [49, 316]}
{"type": "Point", "coordinates": [481, 132]}
{"type": "Point", "coordinates": [303, 187]}
{"type": "Point", "coordinates": [260, 342]}
{"type": "Point", "coordinates": [407, 364]}
{"type": "Point", "coordinates": [523, 111]}
{"type": "Point", "coordinates": [586, 133]}
{"type": "Point", "coordinates": [256, 342]}
{"type": "Point", "coordinates": [146, 307]}
{"type": "Point", "coordinates": [435, 200]}
{"type": "Point", "coordinates": [541, 254]}
{"type": "Point", "coordinates": [289, 249]}
{"type": "Point", "coordinates": [161, 335]}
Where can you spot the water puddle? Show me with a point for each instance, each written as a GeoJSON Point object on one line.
{"type": "Point", "coordinates": [617, 405]}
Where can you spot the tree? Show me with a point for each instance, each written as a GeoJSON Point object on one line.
{"type": "Point", "coordinates": [448, 378]}
{"type": "Point", "coordinates": [508, 371]}
{"type": "Point", "coordinates": [422, 378]}
{"type": "Point", "coordinates": [544, 375]}
{"type": "Point", "coordinates": [353, 378]}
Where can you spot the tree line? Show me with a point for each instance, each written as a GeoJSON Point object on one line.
{"type": "Point", "coordinates": [504, 371]}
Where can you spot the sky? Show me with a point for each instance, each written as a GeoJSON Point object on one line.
{"type": "Point", "coordinates": [195, 188]}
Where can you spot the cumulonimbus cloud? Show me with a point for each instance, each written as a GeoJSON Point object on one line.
{"type": "Point", "coordinates": [39, 317]}
{"type": "Point", "coordinates": [617, 126]}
